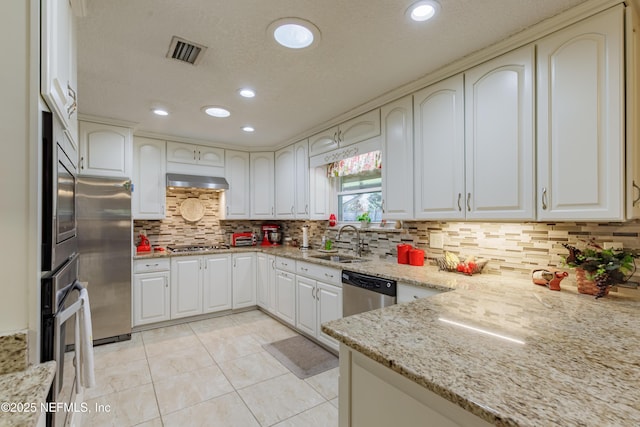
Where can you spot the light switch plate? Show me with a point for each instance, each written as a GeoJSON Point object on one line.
{"type": "Point", "coordinates": [436, 240]}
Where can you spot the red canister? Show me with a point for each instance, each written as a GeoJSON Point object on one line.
{"type": "Point", "coordinates": [403, 253]}
{"type": "Point", "coordinates": [416, 257]}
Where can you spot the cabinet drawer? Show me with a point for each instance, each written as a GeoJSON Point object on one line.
{"type": "Point", "coordinates": [286, 264]}
{"type": "Point", "coordinates": [408, 293]}
{"type": "Point", "coordinates": [153, 264]}
{"type": "Point", "coordinates": [319, 272]}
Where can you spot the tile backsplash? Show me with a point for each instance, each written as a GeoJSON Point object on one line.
{"type": "Point", "coordinates": [512, 249]}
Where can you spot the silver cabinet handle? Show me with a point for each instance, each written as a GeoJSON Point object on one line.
{"type": "Point", "coordinates": [459, 199]}
{"type": "Point", "coordinates": [328, 275]}
{"type": "Point", "coordinates": [469, 202]}
{"type": "Point", "coordinates": [544, 198]}
{"type": "Point", "coordinates": [271, 210]}
{"type": "Point", "coordinates": [199, 155]}
{"type": "Point", "coordinates": [304, 269]}
{"type": "Point", "coordinates": [635, 186]}
{"type": "Point", "coordinates": [82, 162]}
{"type": "Point", "coordinates": [306, 209]}
{"type": "Point", "coordinates": [291, 210]}
{"type": "Point", "coordinates": [339, 135]}
{"type": "Point", "coordinates": [194, 154]}
{"type": "Point", "coordinates": [152, 265]}
{"type": "Point", "coordinates": [335, 137]}
{"type": "Point", "coordinates": [313, 293]}
{"type": "Point", "coordinates": [273, 264]}
{"type": "Point", "coordinates": [382, 206]}
{"type": "Point", "coordinates": [227, 210]}
{"type": "Point", "coordinates": [166, 283]}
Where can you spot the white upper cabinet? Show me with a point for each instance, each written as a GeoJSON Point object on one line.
{"type": "Point", "coordinates": [301, 160]}
{"type": "Point", "coordinates": [237, 197]}
{"type": "Point", "coordinates": [105, 150]}
{"type": "Point", "coordinates": [633, 115]}
{"type": "Point", "coordinates": [58, 70]}
{"type": "Point", "coordinates": [285, 174]}
{"type": "Point", "coordinates": [355, 130]}
{"type": "Point", "coordinates": [262, 185]}
{"type": "Point", "coordinates": [397, 159]}
{"type": "Point", "coordinates": [581, 120]}
{"type": "Point", "coordinates": [499, 138]}
{"type": "Point", "coordinates": [292, 181]}
{"type": "Point", "coordinates": [178, 152]}
{"type": "Point", "coordinates": [439, 150]}
{"type": "Point", "coordinates": [148, 198]}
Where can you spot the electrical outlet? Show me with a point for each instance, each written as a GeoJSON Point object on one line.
{"type": "Point", "coordinates": [436, 240]}
{"type": "Point", "coordinates": [612, 245]}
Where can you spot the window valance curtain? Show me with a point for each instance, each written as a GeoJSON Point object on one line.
{"type": "Point", "coordinates": [356, 164]}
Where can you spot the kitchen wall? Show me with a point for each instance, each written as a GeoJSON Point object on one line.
{"type": "Point", "coordinates": [513, 249]}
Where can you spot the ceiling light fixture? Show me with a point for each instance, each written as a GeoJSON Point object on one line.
{"type": "Point", "coordinates": [160, 112]}
{"type": "Point", "coordinates": [248, 128]}
{"type": "Point", "coordinates": [246, 92]}
{"type": "Point", "coordinates": [423, 10]}
{"type": "Point", "coordinates": [294, 33]}
{"type": "Point", "coordinates": [215, 111]}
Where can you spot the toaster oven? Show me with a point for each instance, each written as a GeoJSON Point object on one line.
{"type": "Point", "coordinates": [243, 239]}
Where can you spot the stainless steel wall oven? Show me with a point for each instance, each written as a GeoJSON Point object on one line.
{"type": "Point", "coordinates": [59, 231]}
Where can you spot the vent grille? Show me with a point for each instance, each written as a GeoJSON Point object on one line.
{"type": "Point", "coordinates": [185, 51]}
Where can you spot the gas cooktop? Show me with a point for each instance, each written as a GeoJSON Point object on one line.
{"type": "Point", "coordinates": [195, 248]}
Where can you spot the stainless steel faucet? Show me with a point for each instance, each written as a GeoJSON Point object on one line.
{"type": "Point", "coordinates": [359, 245]}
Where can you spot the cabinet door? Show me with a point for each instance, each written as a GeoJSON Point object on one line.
{"type": "Point", "coordinates": [329, 308]}
{"type": "Point", "coordinates": [263, 270]}
{"type": "Point", "coordinates": [149, 173]}
{"type": "Point", "coordinates": [580, 116]}
{"type": "Point", "coordinates": [285, 183]}
{"type": "Point", "coordinates": [244, 280]}
{"type": "Point", "coordinates": [499, 145]}
{"type": "Point", "coordinates": [323, 141]}
{"type": "Point", "coordinates": [262, 184]}
{"type": "Point", "coordinates": [179, 152]}
{"type": "Point", "coordinates": [217, 283]}
{"type": "Point", "coordinates": [151, 298]}
{"type": "Point", "coordinates": [397, 159]}
{"type": "Point", "coordinates": [105, 150]}
{"type": "Point", "coordinates": [359, 128]}
{"type": "Point", "coordinates": [439, 150]}
{"type": "Point", "coordinates": [210, 156]}
{"type": "Point", "coordinates": [306, 316]}
{"type": "Point", "coordinates": [58, 60]}
{"type": "Point", "coordinates": [237, 196]}
{"type": "Point", "coordinates": [186, 289]}
{"type": "Point", "coordinates": [286, 297]}
{"type": "Point", "coordinates": [633, 114]}
{"type": "Point", "coordinates": [320, 193]}
{"type": "Point", "coordinates": [301, 180]}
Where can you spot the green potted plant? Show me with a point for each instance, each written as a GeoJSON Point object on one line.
{"type": "Point", "coordinates": [597, 269]}
{"type": "Point", "coordinates": [364, 219]}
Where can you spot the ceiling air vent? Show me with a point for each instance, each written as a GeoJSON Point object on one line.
{"type": "Point", "coordinates": [185, 51]}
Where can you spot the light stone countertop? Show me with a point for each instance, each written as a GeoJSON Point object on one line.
{"type": "Point", "coordinates": [27, 387]}
{"type": "Point", "coordinates": [568, 359]}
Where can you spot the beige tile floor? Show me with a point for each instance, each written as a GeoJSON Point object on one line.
{"type": "Point", "coordinates": [211, 372]}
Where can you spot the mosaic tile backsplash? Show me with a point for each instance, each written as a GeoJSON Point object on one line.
{"type": "Point", "coordinates": [512, 249]}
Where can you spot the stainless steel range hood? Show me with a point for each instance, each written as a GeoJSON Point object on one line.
{"type": "Point", "coordinates": [195, 181]}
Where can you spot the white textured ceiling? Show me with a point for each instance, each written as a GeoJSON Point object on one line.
{"type": "Point", "coordinates": [368, 47]}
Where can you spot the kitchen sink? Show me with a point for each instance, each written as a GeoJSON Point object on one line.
{"type": "Point", "coordinates": [343, 259]}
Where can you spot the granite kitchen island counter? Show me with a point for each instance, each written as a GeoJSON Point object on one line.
{"type": "Point", "coordinates": [512, 353]}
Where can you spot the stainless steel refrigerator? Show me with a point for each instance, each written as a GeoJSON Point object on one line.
{"type": "Point", "coordinates": [105, 246]}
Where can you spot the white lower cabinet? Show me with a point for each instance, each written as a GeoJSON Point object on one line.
{"type": "Point", "coordinates": [200, 284]}
{"type": "Point", "coordinates": [285, 301]}
{"type": "Point", "coordinates": [217, 283]}
{"type": "Point", "coordinates": [244, 280]}
{"type": "Point", "coordinates": [151, 291]}
{"type": "Point", "coordinates": [318, 300]}
{"type": "Point", "coordinates": [407, 293]}
{"type": "Point", "coordinates": [265, 281]}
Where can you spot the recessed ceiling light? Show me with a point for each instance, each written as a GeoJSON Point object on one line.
{"type": "Point", "coordinates": [248, 128]}
{"type": "Point", "coordinates": [160, 112]}
{"type": "Point", "coordinates": [294, 33]}
{"type": "Point", "coordinates": [216, 111]}
{"type": "Point", "coordinates": [247, 93]}
{"type": "Point", "coordinates": [423, 10]}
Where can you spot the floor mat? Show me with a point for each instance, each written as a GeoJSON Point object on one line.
{"type": "Point", "coordinates": [301, 356]}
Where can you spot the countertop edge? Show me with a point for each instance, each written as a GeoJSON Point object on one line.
{"type": "Point", "coordinates": [28, 387]}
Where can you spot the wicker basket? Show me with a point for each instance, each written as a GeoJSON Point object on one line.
{"type": "Point", "coordinates": [586, 286]}
{"type": "Point", "coordinates": [446, 266]}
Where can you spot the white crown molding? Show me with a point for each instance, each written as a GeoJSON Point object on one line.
{"type": "Point", "coordinates": [107, 121]}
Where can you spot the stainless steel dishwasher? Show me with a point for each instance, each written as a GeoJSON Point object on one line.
{"type": "Point", "coordinates": [361, 292]}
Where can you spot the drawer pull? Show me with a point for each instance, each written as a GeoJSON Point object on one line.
{"type": "Point", "coordinates": [152, 265]}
